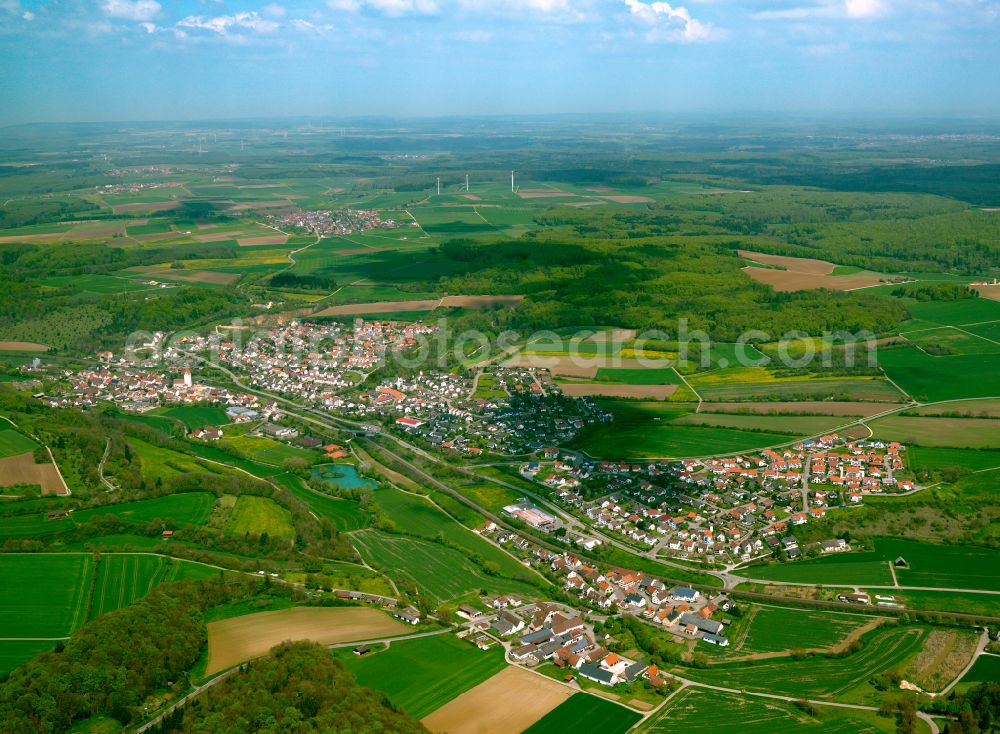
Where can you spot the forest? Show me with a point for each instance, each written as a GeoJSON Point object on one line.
{"type": "Point", "coordinates": [300, 687]}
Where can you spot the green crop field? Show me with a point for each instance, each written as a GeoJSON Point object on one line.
{"type": "Point", "coordinates": [417, 516]}
{"type": "Point", "coordinates": [32, 526]}
{"type": "Point", "coordinates": [422, 675]}
{"type": "Point", "coordinates": [13, 443]}
{"type": "Point", "coordinates": [648, 439]}
{"type": "Point", "coordinates": [921, 457]}
{"type": "Point", "coordinates": [16, 652]}
{"type": "Point", "coordinates": [838, 678]}
{"type": "Point", "coordinates": [985, 669]}
{"type": "Point", "coordinates": [259, 515]}
{"type": "Point", "coordinates": [125, 578]}
{"type": "Point", "coordinates": [638, 376]}
{"type": "Point", "coordinates": [966, 602]}
{"type": "Point", "coordinates": [583, 712]}
{"type": "Point", "coordinates": [189, 508]}
{"type": "Point", "coordinates": [957, 313]}
{"type": "Point", "coordinates": [698, 711]}
{"type": "Point", "coordinates": [971, 433]}
{"type": "Point", "coordinates": [442, 572]}
{"type": "Point", "coordinates": [848, 568]}
{"type": "Point", "coordinates": [774, 629]}
{"type": "Point", "coordinates": [52, 593]}
{"type": "Point", "coordinates": [854, 390]}
{"type": "Point", "coordinates": [799, 425]}
{"type": "Point", "coordinates": [930, 378]}
{"type": "Point", "coordinates": [931, 565]}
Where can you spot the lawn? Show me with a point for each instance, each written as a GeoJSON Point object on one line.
{"type": "Point", "coordinates": [442, 572]}
{"type": "Point", "coordinates": [263, 449]}
{"type": "Point", "coordinates": [189, 508]}
{"type": "Point", "coordinates": [32, 526]}
{"type": "Point", "coordinates": [837, 678]}
{"type": "Point", "coordinates": [196, 416]}
{"type": "Point", "coordinates": [583, 712]}
{"type": "Point", "coordinates": [774, 629]}
{"type": "Point", "coordinates": [162, 463]}
{"type": "Point", "coordinates": [13, 443]}
{"type": "Point", "coordinates": [125, 578]}
{"type": "Point", "coordinates": [491, 496]}
{"type": "Point", "coordinates": [259, 515]}
{"type": "Point", "coordinates": [698, 711]}
{"type": "Point", "coordinates": [344, 514]}
{"type": "Point", "coordinates": [419, 676]}
{"type": "Point", "coordinates": [51, 593]}
{"type": "Point", "coordinates": [948, 601]}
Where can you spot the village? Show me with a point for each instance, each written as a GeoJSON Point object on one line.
{"type": "Point", "coordinates": [726, 510]}
{"type": "Point", "coordinates": [333, 223]}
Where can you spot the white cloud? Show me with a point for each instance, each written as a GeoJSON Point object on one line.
{"type": "Point", "coordinates": [832, 9]}
{"type": "Point", "coordinates": [392, 8]}
{"type": "Point", "coordinates": [865, 8]}
{"type": "Point", "coordinates": [274, 10]}
{"type": "Point", "coordinates": [141, 10]}
{"type": "Point", "coordinates": [675, 24]}
{"type": "Point", "coordinates": [223, 24]}
{"type": "Point", "coordinates": [28, 15]}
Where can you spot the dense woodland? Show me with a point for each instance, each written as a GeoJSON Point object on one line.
{"type": "Point", "coordinates": [299, 688]}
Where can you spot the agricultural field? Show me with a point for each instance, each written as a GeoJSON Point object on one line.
{"type": "Point", "coordinates": [52, 593]}
{"type": "Point", "coordinates": [921, 457]}
{"type": "Point", "coordinates": [188, 508]}
{"type": "Point", "coordinates": [929, 565]}
{"type": "Point", "coordinates": [653, 430]}
{"type": "Point", "coordinates": [767, 629]}
{"type": "Point", "coordinates": [22, 469]}
{"type": "Point", "coordinates": [416, 515]}
{"type": "Point", "coordinates": [986, 668]}
{"type": "Point", "coordinates": [582, 712]}
{"type": "Point", "coordinates": [970, 433]}
{"type": "Point", "coordinates": [13, 443]}
{"type": "Point", "coordinates": [420, 676]}
{"type": "Point", "coordinates": [124, 578]}
{"type": "Point", "coordinates": [510, 701]}
{"type": "Point", "coordinates": [699, 711]}
{"type": "Point", "coordinates": [435, 569]}
{"type": "Point", "coordinates": [928, 378]}
{"type": "Point", "coordinates": [835, 678]}
{"type": "Point", "coordinates": [799, 425]}
{"type": "Point", "coordinates": [238, 639]}
{"type": "Point", "coordinates": [259, 516]}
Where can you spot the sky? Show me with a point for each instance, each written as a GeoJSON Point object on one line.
{"type": "Point", "coordinates": [115, 60]}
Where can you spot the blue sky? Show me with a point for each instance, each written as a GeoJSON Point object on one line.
{"type": "Point", "coordinates": [82, 60]}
